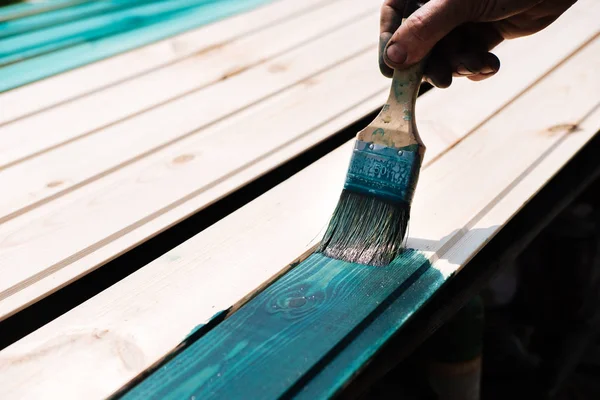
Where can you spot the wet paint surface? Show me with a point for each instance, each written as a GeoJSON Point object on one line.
{"type": "Point", "coordinates": [324, 316]}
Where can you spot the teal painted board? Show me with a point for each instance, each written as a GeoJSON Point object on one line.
{"type": "Point", "coordinates": [280, 339]}
{"type": "Point", "coordinates": [327, 381]}
{"type": "Point", "coordinates": [61, 16]}
{"type": "Point", "coordinates": [19, 10]}
{"type": "Point", "coordinates": [147, 13]}
{"type": "Point", "coordinates": [31, 70]}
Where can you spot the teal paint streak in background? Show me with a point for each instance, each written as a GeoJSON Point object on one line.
{"type": "Point", "coordinates": [324, 316]}
{"type": "Point", "coordinates": [76, 55]}
{"type": "Point", "coordinates": [61, 16]}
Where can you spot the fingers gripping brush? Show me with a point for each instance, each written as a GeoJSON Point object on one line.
{"type": "Point", "coordinates": [370, 221]}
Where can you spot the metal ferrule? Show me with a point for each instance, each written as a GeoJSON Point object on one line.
{"type": "Point", "coordinates": [385, 172]}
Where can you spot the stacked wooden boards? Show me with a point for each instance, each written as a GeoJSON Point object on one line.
{"type": "Point", "coordinates": [38, 40]}
{"type": "Point", "coordinates": [96, 348]}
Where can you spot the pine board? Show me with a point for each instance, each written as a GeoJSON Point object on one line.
{"type": "Point", "coordinates": [165, 179]}
{"type": "Point", "coordinates": [202, 272]}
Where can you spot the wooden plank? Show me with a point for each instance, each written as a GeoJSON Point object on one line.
{"type": "Point", "coordinates": [181, 82]}
{"type": "Point", "coordinates": [38, 276]}
{"type": "Point", "coordinates": [61, 16]}
{"type": "Point", "coordinates": [284, 336]}
{"type": "Point", "coordinates": [208, 39]}
{"type": "Point", "coordinates": [122, 330]}
{"type": "Point", "coordinates": [145, 14]}
{"type": "Point", "coordinates": [36, 68]}
{"type": "Point", "coordinates": [28, 8]}
{"type": "Point", "coordinates": [157, 183]}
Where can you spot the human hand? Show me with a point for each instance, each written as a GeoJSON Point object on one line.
{"type": "Point", "coordinates": [458, 34]}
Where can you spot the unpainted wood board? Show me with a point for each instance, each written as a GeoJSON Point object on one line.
{"type": "Point", "coordinates": [120, 332]}
{"type": "Point", "coordinates": [290, 331]}
{"type": "Point", "coordinates": [174, 90]}
{"type": "Point", "coordinates": [523, 61]}
{"type": "Point", "coordinates": [153, 186]}
{"type": "Point", "coordinates": [72, 259]}
{"type": "Point", "coordinates": [58, 89]}
{"type": "Point", "coordinates": [28, 8]}
{"type": "Point", "coordinates": [59, 61]}
{"type": "Point", "coordinates": [43, 41]}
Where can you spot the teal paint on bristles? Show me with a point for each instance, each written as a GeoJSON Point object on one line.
{"type": "Point", "coordinates": [370, 221]}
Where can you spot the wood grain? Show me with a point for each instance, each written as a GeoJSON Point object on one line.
{"type": "Point", "coordinates": [58, 89]}
{"type": "Point", "coordinates": [286, 331]}
{"type": "Point", "coordinates": [75, 195]}
{"type": "Point", "coordinates": [177, 91]}
{"type": "Point", "coordinates": [137, 321]}
{"type": "Point", "coordinates": [283, 337]}
{"type": "Point", "coordinates": [157, 184]}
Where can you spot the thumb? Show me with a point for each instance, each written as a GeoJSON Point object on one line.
{"type": "Point", "coordinates": [415, 38]}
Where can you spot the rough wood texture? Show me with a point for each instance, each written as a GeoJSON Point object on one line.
{"type": "Point", "coordinates": [276, 343]}
{"type": "Point", "coordinates": [131, 325]}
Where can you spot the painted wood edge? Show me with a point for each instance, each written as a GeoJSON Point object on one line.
{"type": "Point", "coordinates": [139, 18]}
{"type": "Point", "coordinates": [56, 17]}
{"type": "Point", "coordinates": [464, 243]}
{"type": "Point", "coordinates": [61, 61]}
{"type": "Point", "coordinates": [29, 8]}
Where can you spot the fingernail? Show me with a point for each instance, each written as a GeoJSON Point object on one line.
{"type": "Point", "coordinates": [396, 54]}
{"type": "Point", "coordinates": [486, 70]}
{"type": "Point", "coordinates": [462, 70]}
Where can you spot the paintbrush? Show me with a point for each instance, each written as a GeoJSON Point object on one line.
{"type": "Point", "coordinates": [369, 223]}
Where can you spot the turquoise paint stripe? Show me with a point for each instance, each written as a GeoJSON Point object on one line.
{"type": "Point", "coordinates": [333, 376]}
{"type": "Point", "coordinates": [290, 331]}
{"type": "Point", "coordinates": [17, 10]}
{"type": "Point", "coordinates": [61, 16]}
{"type": "Point", "coordinates": [37, 68]}
{"type": "Point", "coordinates": [46, 40]}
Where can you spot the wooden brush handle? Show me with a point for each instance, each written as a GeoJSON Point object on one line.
{"type": "Point", "coordinates": [395, 126]}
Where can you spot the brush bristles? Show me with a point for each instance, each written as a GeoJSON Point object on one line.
{"type": "Point", "coordinates": [365, 230]}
